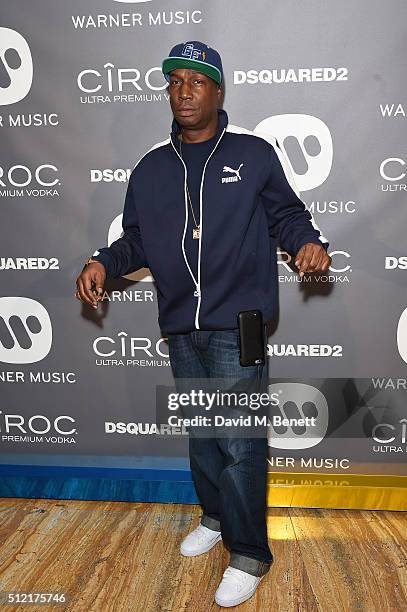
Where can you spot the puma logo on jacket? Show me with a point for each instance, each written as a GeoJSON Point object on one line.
{"type": "Point", "coordinates": [235, 178]}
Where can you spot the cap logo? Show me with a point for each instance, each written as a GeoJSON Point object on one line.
{"type": "Point", "coordinates": [192, 53]}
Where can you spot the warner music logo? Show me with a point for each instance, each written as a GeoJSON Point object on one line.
{"type": "Point", "coordinates": [333, 207]}
{"type": "Point", "coordinates": [27, 330]}
{"type": "Point", "coordinates": [109, 85]}
{"type": "Point", "coordinates": [276, 76]}
{"type": "Point", "coordinates": [135, 20]}
{"type": "Point", "coordinates": [37, 377]}
{"type": "Point", "coordinates": [393, 110]}
{"type": "Point", "coordinates": [128, 295]}
{"type": "Point", "coordinates": [309, 464]}
{"type": "Point", "coordinates": [16, 69]}
{"type": "Point", "coordinates": [339, 270]}
{"type": "Point", "coordinates": [393, 171]}
{"type": "Point", "coordinates": [37, 429]}
{"type": "Point", "coordinates": [29, 120]}
{"type": "Point", "coordinates": [16, 66]}
{"type": "Point", "coordinates": [29, 263]}
{"type": "Point", "coordinates": [304, 350]}
{"type": "Point", "coordinates": [119, 175]}
{"type": "Point", "coordinates": [126, 350]}
{"type": "Point", "coordinates": [392, 263]}
{"type": "Point", "coordinates": [308, 402]}
{"type": "Point", "coordinates": [32, 182]}
{"type": "Point", "coordinates": [307, 142]}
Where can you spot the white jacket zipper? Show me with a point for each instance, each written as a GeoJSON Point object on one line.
{"type": "Point", "coordinates": [197, 283]}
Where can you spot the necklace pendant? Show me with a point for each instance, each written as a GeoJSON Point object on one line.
{"type": "Point", "coordinates": [196, 232]}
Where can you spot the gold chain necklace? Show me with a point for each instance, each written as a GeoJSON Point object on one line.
{"type": "Point", "coordinates": [197, 229]}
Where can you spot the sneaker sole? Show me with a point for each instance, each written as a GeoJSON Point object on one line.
{"type": "Point", "coordinates": [239, 600]}
{"type": "Point", "coordinates": [202, 550]}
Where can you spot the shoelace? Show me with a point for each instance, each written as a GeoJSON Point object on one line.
{"type": "Point", "coordinates": [201, 536]}
{"type": "Point", "coordinates": [231, 577]}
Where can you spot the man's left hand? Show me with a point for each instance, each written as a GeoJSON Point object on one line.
{"type": "Point", "coordinates": [312, 257]}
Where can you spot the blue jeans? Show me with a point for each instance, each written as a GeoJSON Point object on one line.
{"type": "Point", "coordinates": [229, 474]}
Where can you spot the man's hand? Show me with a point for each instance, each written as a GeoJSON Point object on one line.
{"type": "Point", "coordinates": [312, 257]}
{"type": "Point", "coordinates": [90, 284]}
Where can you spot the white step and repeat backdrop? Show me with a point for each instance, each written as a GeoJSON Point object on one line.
{"type": "Point", "coordinates": [81, 99]}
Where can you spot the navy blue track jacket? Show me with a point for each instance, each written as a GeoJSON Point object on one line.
{"type": "Point", "coordinates": [248, 204]}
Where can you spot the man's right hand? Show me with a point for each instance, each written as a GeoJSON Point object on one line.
{"type": "Point", "coordinates": [90, 283]}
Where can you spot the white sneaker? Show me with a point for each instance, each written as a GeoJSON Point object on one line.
{"type": "Point", "coordinates": [236, 586]}
{"type": "Point", "coordinates": [199, 541]}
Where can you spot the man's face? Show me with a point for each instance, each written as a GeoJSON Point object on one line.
{"type": "Point", "coordinates": [194, 97]}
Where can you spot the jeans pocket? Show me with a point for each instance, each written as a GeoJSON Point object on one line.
{"type": "Point", "coordinates": [227, 337]}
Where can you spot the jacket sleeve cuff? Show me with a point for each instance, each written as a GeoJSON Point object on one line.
{"type": "Point", "coordinates": [312, 239]}
{"type": "Point", "coordinates": [105, 260]}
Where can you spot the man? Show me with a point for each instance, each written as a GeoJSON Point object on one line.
{"type": "Point", "coordinates": [204, 210]}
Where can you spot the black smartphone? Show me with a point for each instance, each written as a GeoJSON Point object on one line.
{"type": "Point", "coordinates": [251, 337]}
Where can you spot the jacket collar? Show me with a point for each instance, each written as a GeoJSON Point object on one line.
{"type": "Point", "coordinates": [222, 123]}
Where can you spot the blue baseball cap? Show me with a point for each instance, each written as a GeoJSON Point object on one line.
{"type": "Point", "coordinates": [196, 55]}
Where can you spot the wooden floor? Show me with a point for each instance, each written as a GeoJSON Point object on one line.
{"type": "Point", "coordinates": [119, 556]}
